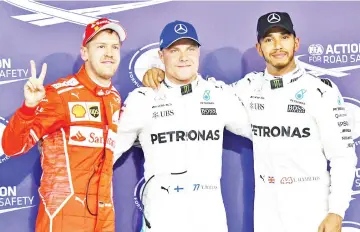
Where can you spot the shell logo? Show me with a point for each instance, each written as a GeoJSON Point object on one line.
{"type": "Point", "coordinates": [78, 111]}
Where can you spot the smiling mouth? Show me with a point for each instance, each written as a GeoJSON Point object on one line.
{"type": "Point", "coordinates": [279, 55]}
{"type": "Point", "coordinates": [183, 66]}
{"type": "Point", "coordinates": [107, 62]}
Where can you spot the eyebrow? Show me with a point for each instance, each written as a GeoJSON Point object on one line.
{"type": "Point", "coordinates": [285, 33]}
{"type": "Point", "coordinates": [190, 46]}
{"type": "Point", "coordinates": [106, 43]}
{"type": "Point", "coordinates": [281, 33]}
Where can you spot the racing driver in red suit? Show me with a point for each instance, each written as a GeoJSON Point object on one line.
{"type": "Point", "coordinates": [75, 120]}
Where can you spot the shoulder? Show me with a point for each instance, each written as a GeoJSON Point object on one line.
{"type": "Point", "coordinates": [114, 91]}
{"type": "Point", "coordinates": [63, 83]}
{"type": "Point", "coordinates": [140, 95]}
{"type": "Point", "coordinates": [142, 92]}
{"type": "Point", "coordinates": [219, 88]}
{"type": "Point", "coordinates": [54, 89]}
{"type": "Point", "coordinates": [212, 83]}
{"type": "Point", "coordinates": [253, 75]}
{"type": "Point", "coordinates": [221, 91]}
{"type": "Point", "coordinates": [321, 82]}
{"type": "Point", "coordinates": [322, 87]}
{"type": "Point", "coordinates": [248, 79]}
{"type": "Point", "coordinates": [136, 101]}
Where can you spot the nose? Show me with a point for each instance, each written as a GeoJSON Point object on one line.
{"type": "Point", "coordinates": [109, 51]}
{"type": "Point", "coordinates": [183, 57]}
{"type": "Point", "coordinates": [278, 44]}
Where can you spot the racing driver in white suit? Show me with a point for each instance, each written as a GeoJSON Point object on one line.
{"type": "Point", "coordinates": [180, 128]}
{"type": "Point", "coordinates": [299, 122]}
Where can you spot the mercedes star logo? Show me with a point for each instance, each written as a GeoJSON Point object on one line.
{"type": "Point", "coordinates": [180, 29]}
{"type": "Point", "coordinates": [273, 18]}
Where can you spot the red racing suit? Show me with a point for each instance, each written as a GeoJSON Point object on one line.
{"type": "Point", "coordinates": [74, 122]}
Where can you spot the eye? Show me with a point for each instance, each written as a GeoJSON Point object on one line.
{"type": "Point", "coordinates": [286, 36]}
{"type": "Point", "coordinates": [101, 46]}
{"type": "Point", "coordinates": [191, 49]}
{"type": "Point", "coordinates": [173, 50]}
{"type": "Point", "coordinates": [116, 47]}
{"type": "Point", "coordinates": [267, 40]}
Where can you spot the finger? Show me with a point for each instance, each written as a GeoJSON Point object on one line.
{"type": "Point", "coordinates": [333, 229]}
{"type": "Point", "coordinates": [30, 86]}
{"type": "Point", "coordinates": [33, 68]}
{"type": "Point", "coordinates": [35, 83]}
{"type": "Point", "coordinates": [42, 74]}
{"type": "Point", "coordinates": [321, 228]}
{"type": "Point", "coordinates": [161, 75]}
{"type": "Point", "coordinates": [152, 82]}
{"type": "Point", "coordinates": [157, 79]}
{"type": "Point", "coordinates": [145, 80]}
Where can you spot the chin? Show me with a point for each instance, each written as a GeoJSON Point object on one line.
{"type": "Point", "coordinates": [280, 65]}
{"type": "Point", "coordinates": [185, 76]}
{"type": "Point", "coordinates": [184, 79]}
{"type": "Point", "coordinates": [107, 75]}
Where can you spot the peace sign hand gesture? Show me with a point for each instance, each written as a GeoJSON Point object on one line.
{"type": "Point", "coordinates": [34, 90]}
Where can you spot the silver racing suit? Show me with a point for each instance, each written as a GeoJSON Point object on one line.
{"type": "Point", "coordinates": [180, 129]}
{"type": "Point", "coordinates": [298, 122]}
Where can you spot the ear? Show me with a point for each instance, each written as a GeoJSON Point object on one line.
{"type": "Point", "coordinates": [84, 53]}
{"type": "Point", "coordinates": [161, 55]}
{"type": "Point", "coordinates": [297, 44]}
{"type": "Point", "coordinates": [259, 50]}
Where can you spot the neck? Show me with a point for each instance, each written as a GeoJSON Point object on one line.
{"type": "Point", "coordinates": [96, 78]}
{"type": "Point", "coordinates": [180, 82]}
{"type": "Point", "coordinates": [282, 71]}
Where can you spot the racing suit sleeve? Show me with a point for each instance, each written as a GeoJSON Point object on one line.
{"type": "Point", "coordinates": [338, 147]}
{"type": "Point", "coordinates": [131, 122]}
{"type": "Point", "coordinates": [28, 125]}
{"type": "Point", "coordinates": [237, 120]}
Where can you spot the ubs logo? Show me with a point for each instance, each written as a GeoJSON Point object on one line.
{"type": "Point", "coordinates": [165, 113]}
{"type": "Point", "coordinates": [256, 106]}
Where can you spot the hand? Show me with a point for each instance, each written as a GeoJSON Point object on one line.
{"type": "Point", "coordinates": [153, 77]}
{"type": "Point", "coordinates": [332, 223]}
{"type": "Point", "coordinates": [34, 90]}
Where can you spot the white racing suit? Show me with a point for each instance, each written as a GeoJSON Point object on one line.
{"type": "Point", "coordinates": [298, 123]}
{"type": "Point", "coordinates": [180, 129]}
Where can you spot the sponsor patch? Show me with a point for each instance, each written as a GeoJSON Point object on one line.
{"type": "Point", "coordinates": [71, 82]}
{"type": "Point", "coordinates": [91, 137]}
{"type": "Point", "coordinates": [84, 111]}
{"type": "Point", "coordinates": [208, 111]}
{"type": "Point", "coordinates": [295, 109]}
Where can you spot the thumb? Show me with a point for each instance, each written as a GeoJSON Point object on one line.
{"type": "Point", "coordinates": [321, 227]}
